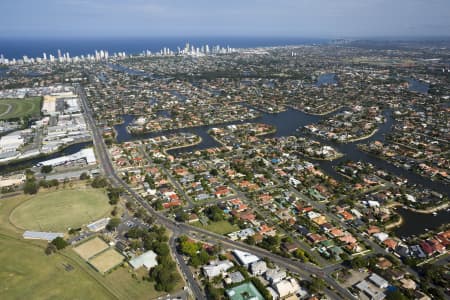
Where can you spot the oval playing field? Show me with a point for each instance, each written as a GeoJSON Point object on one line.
{"type": "Point", "coordinates": [19, 108]}
{"type": "Point", "coordinates": [60, 210]}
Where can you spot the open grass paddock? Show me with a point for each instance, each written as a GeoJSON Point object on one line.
{"type": "Point", "coordinates": [220, 227]}
{"type": "Point", "coordinates": [18, 108]}
{"type": "Point", "coordinates": [27, 273]}
{"type": "Point", "coordinates": [61, 209]}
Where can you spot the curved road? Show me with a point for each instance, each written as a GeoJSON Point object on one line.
{"type": "Point", "coordinates": [183, 229]}
{"type": "Point", "coordinates": [7, 110]}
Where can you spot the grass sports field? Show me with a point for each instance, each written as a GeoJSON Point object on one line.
{"type": "Point", "coordinates": [106, 260]}
{"type": "Point", "coordinates": [18, 108]}
{"type": "Point", "coordinates": [27, 273]}
{"type": "Point", "coordinates": [91, 248]}
{"type": "Point", "coordinates": [61, 209]}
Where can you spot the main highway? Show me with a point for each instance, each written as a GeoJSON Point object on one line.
{"type": "Point", "coordinates": [305, 270]}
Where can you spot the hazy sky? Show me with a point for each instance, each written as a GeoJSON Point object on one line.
{"type": "Point", "coordinates": [295, 18]}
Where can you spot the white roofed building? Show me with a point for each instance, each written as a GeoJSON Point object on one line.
{"type": "Point", "coordinates": [286, 287]}
{"type": "Point", "coordinates": [147, 260]}
{"type": "Point", "coordinates": [245, 258]}
{"type": "Point", "coordinates": [216, 268]}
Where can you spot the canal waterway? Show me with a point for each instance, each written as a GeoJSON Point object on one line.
{"type": "Point", "coordinates": [287, 124]}
{"type": "Point", "coordinates": [3, 72]}
{"type": "Point", "coordinates": [417, 223]}
{"type": "Point", "coordinates": [418, 86]}
{"type": "Point", "coordinates": [28, 163]}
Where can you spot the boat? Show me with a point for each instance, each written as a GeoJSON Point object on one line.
{"type": "Point", "coordinates": [434, 214]}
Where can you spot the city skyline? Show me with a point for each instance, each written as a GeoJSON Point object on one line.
{"type": "Point", "coordinates": [137, 18]}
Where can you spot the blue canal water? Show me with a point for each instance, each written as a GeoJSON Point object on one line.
{"type": "Point", "coordinates": [33, 161]}
{"type": "Point", "coordinates": [417, 223]}
{"type": "Point", "coordinates": [3, 72]}
{"type": "Point", "coordinates": [328, 78]}
{"type": "Point", "coordinates": [418, 86]}
{"type": "Point", "coordinates": [287, 124]}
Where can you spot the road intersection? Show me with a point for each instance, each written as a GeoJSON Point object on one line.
{"type": "Point", "coordinates": [178, 229]}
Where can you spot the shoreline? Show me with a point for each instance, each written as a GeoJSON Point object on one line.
{"type": "Point", "coordinates": [274, 130]}
{"type": "Point", "coordinates": [41, 155]}
{"type": "Point", "coordinates": [363, 148]}
{"type": "Point", "coordinates": [217, 140]}
{"type": "Point", "coordinates": [395, 224]}
{"type": "Point", "coordinates": [340, 155]}
{"type": "Point", "coordinates": [144, 132]}
{"type": "Point", "coordinates": [182, 146]}
{"type": "Point", "coordinates": [421, 211]}
{"type": "Point", "coordinates": [318, 114]}
{"type": "Point", "coordinates": [361, 138]}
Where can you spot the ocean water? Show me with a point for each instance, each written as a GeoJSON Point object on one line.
{"type": "Point", "coordinates": [34, 47]}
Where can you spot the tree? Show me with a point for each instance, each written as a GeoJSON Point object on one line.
{"type": "Point", "coordinates": [99, 182]}
{"type": "Point", "coordinates": [114, 212]}
{"type": "Point", "coordinates": [250, 240]}
{"type": "Point", "coordinates": [181, 215]}
{"type": "Point", "coordinates": [316, 285]}
{"type": "Point", "coordinates": [215, 213]}
{"type": "Point", "coordinates": [59, 243]}
{"type": "Point", "coordinates": [44, 183]}
{"type": "Point", "coordinates": [150, 181]}
{"type": "Point", "coordinates": [300, 254]}
{"type": "Point", "coordinates": [165, 277]}
{"type": "Point", "coordinates": [395, 295]}
{"type": "Point", "coordinates": [30, 187]}
{"type": "Point", "coordinates": [214, 172]}
{"type": "Point", "coordinates": [358, 262]}
{"type": "Point", "coordinates": [46, 169]}
{"type": "Point", "coordinates": [129, 205]}
{"type": "Point", "coordinates": [29, 173]}
{"type": "Point", "coordinates": [189, 248]}
{"type": "Point", "coordinates": [114, 195]}
{"type": "Point", "coordinates": [84, 176]}
{"type": "Point", "coordinates": [162, 249]}
{"type": "Point", "coordinates": [261, 288]}
{"type": "Point", "coordinates": [212, 292]}
{"type": "Point", "coordinates": [113, 224]}
{"type": "Point", "coordinates": [50, 249]}
{"type": "Point", "coordinates": [203, 256]}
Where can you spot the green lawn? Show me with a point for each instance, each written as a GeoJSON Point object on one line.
{"type": "Point", "coordinates": [18, 108]}
{"type": "Point", "coordinates": [135, 288]}
{"type": "Point", "coordinates": [60, 210]}
{"type": "Point", "coordinates": [27, 273]}
{"type": "Point", "coordinates": [221, 227]}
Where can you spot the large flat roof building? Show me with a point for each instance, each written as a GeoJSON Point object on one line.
{"type": "Point", "coordinates": [147, 260]}
{"type": "Point", "coordinates": [245, 291]}
{"type": "Point", "coordinates": [245, 258]}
